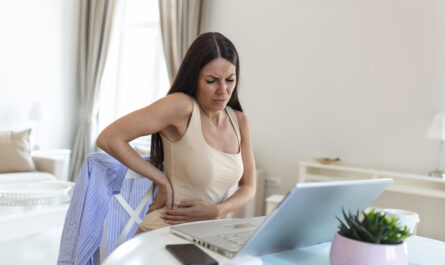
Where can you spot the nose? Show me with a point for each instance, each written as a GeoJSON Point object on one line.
{"type": "Point", "coordinates": [222, 87]}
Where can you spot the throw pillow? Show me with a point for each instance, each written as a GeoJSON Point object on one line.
{"type": "Point", "coordinates": [15, 152]}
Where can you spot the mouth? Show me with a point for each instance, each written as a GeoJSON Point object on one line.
{"type": "Point", "coordinates": [219, 101]}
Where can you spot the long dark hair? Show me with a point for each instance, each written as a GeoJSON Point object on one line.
{"type": "Point", "coordinates": [205, 48]}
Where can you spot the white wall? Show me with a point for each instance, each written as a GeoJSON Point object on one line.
{"type": "Point", "coordinates": [38, 53]}
{"type": "Point", "coordinates": [356, 79]}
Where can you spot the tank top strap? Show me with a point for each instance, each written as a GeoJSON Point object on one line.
{"type": "Point", "coordinates": [195, 119]}
{"type": "Point", "coordinates": [234, 120]}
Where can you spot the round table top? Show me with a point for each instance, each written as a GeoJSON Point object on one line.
{"type": "Point", "coordinates": [149, 248]}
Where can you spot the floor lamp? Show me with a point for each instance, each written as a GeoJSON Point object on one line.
{"type": "Point", "coordinates": [38, 114]}
{"type": "Point", "coordinates": [437, 132]}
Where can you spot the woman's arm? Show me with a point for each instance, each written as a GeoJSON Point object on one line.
{"type": "Point", "coordinates": [197, 210]}
{"type": "Point", "coordinates": [168, 111]}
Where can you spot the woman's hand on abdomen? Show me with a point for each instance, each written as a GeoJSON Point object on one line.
{"type": "Point", "coordinates": [190, 211]}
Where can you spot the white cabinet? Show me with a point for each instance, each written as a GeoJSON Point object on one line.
{"type": "Point", "coordinates": [422, 194]}
{"type": "Point", "coordinates": [403, 183]}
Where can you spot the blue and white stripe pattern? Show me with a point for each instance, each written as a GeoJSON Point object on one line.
{"type": "Point", "coordinates": [101, 177]}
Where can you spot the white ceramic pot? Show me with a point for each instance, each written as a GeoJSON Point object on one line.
{"type": "Point", "coordinates": [346, 251]}
{"type": "Point", "coordinates": [410, 219]}
{"type": "Point", "coordinates": [406, 218]}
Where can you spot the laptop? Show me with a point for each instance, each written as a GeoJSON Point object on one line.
{"type": "Point", "coordinates": [306, 216]}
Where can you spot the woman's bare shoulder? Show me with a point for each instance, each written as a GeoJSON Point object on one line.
{"type": "Point", "coordinates": [178, 103]}
{"type": "Point", "coordinates": [242, 119]}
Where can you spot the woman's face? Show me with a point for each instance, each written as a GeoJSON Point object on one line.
{"type": "Point", "coordinates": [216, 82]}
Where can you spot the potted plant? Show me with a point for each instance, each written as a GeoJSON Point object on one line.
{"type": "Point", "coordinates": [369, 239]}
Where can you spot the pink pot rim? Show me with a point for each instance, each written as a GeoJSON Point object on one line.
{"type": "Point", "coordinates": [347, 251]}
{"type": "Point", "coordinates": [368, 243]}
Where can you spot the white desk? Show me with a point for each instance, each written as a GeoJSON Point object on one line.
{"type": "Point", "coordinates": [149, 248]}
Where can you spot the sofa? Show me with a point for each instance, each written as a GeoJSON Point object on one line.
{"type": "Point", "coordinates": [18, 164]}
{"type": "Point", "coordinates": [46, 168]}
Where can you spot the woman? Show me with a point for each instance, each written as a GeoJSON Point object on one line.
{"type": "Point", "coordinates": [199, 134]}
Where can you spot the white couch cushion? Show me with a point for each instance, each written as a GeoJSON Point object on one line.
{"type": "Point", "coordinates": [23, 177]}
{"type": "Point", "coordinates": [15, 152]}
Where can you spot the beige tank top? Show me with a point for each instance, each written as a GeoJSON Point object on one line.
{"type": "Point", "coordinates": [196, 170]}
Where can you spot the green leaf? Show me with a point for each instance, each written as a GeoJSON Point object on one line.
{"type": "Point", "coordinates": [373, 227]}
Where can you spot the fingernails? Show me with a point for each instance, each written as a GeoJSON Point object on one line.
{"type": "Point", "coordinates": [178, 203]}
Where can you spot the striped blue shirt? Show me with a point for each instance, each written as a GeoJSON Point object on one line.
{"type": "Point", "coordinates": [101, 177]}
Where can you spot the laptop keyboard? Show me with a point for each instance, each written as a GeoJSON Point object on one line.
{"type": "Point", "coordinates": [238, 239]}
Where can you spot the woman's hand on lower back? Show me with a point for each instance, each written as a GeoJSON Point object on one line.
{"type": "Point", "coordinates": [190, 211]}
{"type": "Point", "coordinates": [163, 198]}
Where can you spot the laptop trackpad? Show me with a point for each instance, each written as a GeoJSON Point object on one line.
{"type": "Point", "coordinates": [240, 226]}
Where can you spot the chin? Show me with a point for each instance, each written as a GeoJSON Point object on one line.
{"type": "Point", "coordinates": [219, 106]}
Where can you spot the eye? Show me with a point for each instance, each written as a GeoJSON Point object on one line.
{"type": "Point", "coordinates": [230, 80]}
{"type": "Point", "coordinates": [210, 81]}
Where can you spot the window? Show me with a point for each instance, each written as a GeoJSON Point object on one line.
{"type": "Point", "coordinates": [135, 74]}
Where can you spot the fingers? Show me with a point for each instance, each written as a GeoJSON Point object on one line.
{"type": "Point", "coordinates": [154, 206]}
{"type": "Point", "coordinates": [186, 203]}
{"type": "Point", "coordinates": [175, 218]}
{"type": "Point", "coordinates": [178, 212]}
{"type": "Point", "coordinates": [175, 222]}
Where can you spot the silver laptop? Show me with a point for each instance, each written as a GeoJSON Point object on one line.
{"type": "Point", "coordinates": [306, 216]}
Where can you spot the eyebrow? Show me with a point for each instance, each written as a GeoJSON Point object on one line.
{"type": "Point", "coordinates": [217, 77]}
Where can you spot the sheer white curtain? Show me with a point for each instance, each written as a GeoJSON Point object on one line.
{"type": "Point", "coordinates": [96, 18]}
{"type": "Point", "coordinates": [181, 22]}
{"type": "Point", "coordinates": [135, 74]}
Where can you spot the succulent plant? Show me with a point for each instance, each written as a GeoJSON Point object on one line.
{"type": "Point", "coordinates": [372, 227]}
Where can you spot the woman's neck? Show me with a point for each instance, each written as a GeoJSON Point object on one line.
{"type": "Point", "coordinates": [216, 117]}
